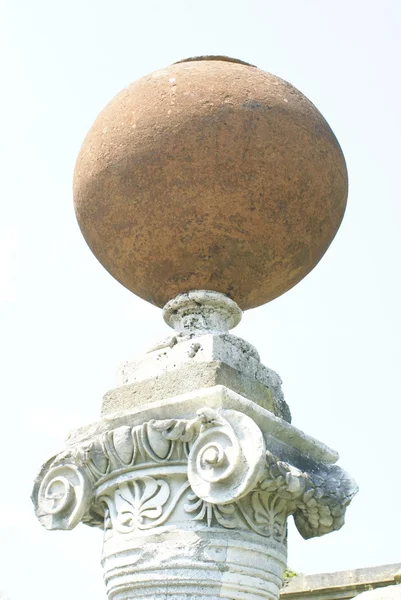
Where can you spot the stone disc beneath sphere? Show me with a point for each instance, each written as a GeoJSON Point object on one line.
{"type": "Point", "coordinates": [210, 174]}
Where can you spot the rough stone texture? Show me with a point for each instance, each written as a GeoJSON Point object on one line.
{"type": "Point", "coordinates": [185, 379]}
{"type": "Point", "coordinates": [202, 311]}
{"type": "Point", "coordinates": [210, 174]}
{"type": "Point", "coordinates": [185, 363]}
{"type": "Point", "coordinates": [343, 585]}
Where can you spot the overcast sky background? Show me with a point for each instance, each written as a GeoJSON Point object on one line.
{"type": "Point", "coordinates": [66, 324]}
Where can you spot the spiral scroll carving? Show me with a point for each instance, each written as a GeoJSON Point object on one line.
{"type": "Point", "coordinates": [63, 497]}
{"type": "Point", "coordinates": [137, 477]}
{"type": "Point", "coordinates": [221, 466]}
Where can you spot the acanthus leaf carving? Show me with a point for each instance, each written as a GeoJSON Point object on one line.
{"type": "Point", "coordinates": [224, 514]}
{"type": "Point", "coordinates": [136, 500]}
{"type": "Point", "coordinates": [65, 491]}
{"type": "Point", "coordinates": [323, 505]}
{"type": "Point", "coordinates": [220, 455]}
{"type": "Point", "coordinates": [140, 503]}
{"type": "Point", "coordinates": [317, 500]}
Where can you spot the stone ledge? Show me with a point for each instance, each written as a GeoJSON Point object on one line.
{"type": "Point", "coordinates": [176, 365]}
{"type": "Point", "coordinates": [188, 378]}
{"type": "Point", "coordinates": [282, 438]}
{"type": "Point", "coordinates": [341, 584]}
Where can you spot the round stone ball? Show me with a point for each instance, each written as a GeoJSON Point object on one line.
{"type": "Point", "coordinates": [210, 174]}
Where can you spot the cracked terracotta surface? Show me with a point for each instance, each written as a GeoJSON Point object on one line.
{"type": "Point", "coordinates": [212, 175]}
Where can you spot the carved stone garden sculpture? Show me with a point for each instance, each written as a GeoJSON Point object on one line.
{"type": "Point", "coordinates": [208, 187]}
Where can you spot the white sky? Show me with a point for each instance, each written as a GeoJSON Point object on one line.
{"type": "Point", "coordinates": [66, 324]}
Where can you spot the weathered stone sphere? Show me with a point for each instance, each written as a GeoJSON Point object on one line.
{"type": "Point", "coordinates": [210, 174]}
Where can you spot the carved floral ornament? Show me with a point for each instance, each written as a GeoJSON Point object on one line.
{"type": "Point", "coordinates": [216, 465]}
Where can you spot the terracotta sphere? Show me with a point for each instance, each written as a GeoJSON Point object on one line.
{"type": "Point", "coordinates": [210, 174]}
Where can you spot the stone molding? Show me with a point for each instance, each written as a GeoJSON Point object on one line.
{"type": "Point", "coordinates": [202, 311]}
{"type": "Point", "coordinates": [183, 363]}
{"type": "Point", "coordinates": [134, 477]}
{"type": "Point", "coordinates": [341, 585]}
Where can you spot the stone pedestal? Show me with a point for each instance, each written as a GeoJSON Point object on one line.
{"type": "Point", "coordinates": [192, 476]}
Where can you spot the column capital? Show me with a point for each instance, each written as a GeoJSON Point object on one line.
{"type": "Point", "coordinates": [227, 465]}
